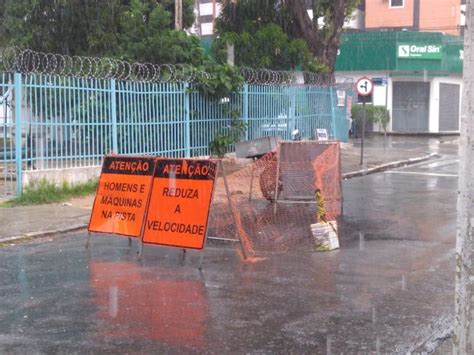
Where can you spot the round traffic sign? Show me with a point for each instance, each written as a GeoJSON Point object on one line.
{"type": "Point", "coordinates": [364, 86]}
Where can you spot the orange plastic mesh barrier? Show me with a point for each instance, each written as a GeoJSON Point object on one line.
{"type": "Point", "coordinates": [272, 200]}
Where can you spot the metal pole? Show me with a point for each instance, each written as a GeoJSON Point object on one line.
{"type": "Point", "coordinates": [245, 105]}
{"type": "Point", "coordinates": [232, 208]}
{"type": "Point", "coordinates": [113, 102]}
{"type": "Point", "coordinates": [187, 119]}
{"type": "Point", "coordinates": [363, 134]}
{"type": "Point", "coordinates": [140, 250]}
{"type": "Point", "coordinates": [333, 115]}
{"type": "Point", "coordinates": [277, 180]}
{"type": "Point", "coordinates": [178, 15]}
{"type": "Point", "coordinates": [18, 134]}
{"type": "Point", "coordinates": [88, 239]}
{"type": "Point", "coordinates": [463, 340]}
{"type": "Point", "coordinates": [251, 180]}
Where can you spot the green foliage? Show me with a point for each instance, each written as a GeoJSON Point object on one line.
{"type": "Point", "coordinates": [374, 114]}
{"type": "Point", "coordinates": [250, 15]}
{"type": "Point", "coordinates": [324, 9]}
{"type": "Point", "coordinates": [382, 116]}
{"type": "Point", "coordinates": [188, 10]}
{"type": "Point", "coordinates": [267, 47]}
{"type": "Point", "coordinates": [139, 30]}
{"type": "Point", "coordinates": [218, 80]}
{"type": "Point", "coordinates": [232, 134]}
{"type": "Point", "coordinates": [44, 192]}
{"type": "Point", "coordinates": [358, 113]}
{"type": "Point", "coordinates": [146, 36]}
{"type": "Point", "coordinates": [267, 33]}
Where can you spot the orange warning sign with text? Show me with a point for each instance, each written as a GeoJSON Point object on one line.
{"type": "Point", "coordinates": [179, 203]}
{"type": "Point", "coordinates": [122, 195]}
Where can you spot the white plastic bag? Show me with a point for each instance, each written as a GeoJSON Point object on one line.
{"type": "Point", "coordinates": [325, 235]}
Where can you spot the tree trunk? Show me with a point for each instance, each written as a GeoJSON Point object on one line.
{"type": "Point", "coordinates": [325, 49]}
{"type": "Point", "coordinates": [332, 45]}
{"type": "Point", "coordinates": [304, 27]}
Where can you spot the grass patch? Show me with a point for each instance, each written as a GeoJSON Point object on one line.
{"type": "Point", "coordinates": [44, 192]}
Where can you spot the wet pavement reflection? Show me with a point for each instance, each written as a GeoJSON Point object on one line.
{"type": "Point", "coordinates": [152, 303]}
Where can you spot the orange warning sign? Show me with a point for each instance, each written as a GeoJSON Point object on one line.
{"type": "Point", "coordinates": [122, 195]}
{"type": "Point", "coordinates": [179, 203]}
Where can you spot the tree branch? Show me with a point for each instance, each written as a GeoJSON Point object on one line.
{"type": "Point", "coordinates": [304, 26]}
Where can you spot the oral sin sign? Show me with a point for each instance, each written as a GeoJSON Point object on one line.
{"type": "Point", "coordinates": [415, 51]}
{"type": "Point", "coordinates": [180, 201]}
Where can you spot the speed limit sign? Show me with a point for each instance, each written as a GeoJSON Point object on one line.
{"type": "Point", "coordinates": [364, 86]}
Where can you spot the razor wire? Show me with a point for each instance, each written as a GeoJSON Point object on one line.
{"type": "Point", "coordinates": [27, 61]}
{"type": "Point", "coordinates": [285, 77]}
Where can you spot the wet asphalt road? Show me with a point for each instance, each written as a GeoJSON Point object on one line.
{"type": "Point", "coordinates": [388, 289]}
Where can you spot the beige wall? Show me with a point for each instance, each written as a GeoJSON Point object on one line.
{"type": "Point", "coordinates": [440, 16]}
{"type": "Point", "coordinates": [435, 15]}
{"type": "Point", "coordinates": [378, 13]}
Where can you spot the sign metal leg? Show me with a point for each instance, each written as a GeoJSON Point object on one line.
{"type": "Point", "coordinates": [277, 182]}
{"type": "Point", "coordinates": [88, 239]}
{"type": "Point", "coordinates": [140, 250]}
{"type": "Point", "coordinates": [183, 257]}
{"type": "Point", "coordinates": [201, 258]}
{"type": "Point", "coordinates": [129, 242]}
{"type": "Point", "coordinates": [251, 181]}
{"type": "Point", "coordinates": [233, 209]}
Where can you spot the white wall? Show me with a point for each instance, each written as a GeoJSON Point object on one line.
{"type": "Point", "coordinates": [382, 93]}
{"type": "Point", "coordinates": [434, 99]}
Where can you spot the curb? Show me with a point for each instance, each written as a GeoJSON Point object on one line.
{"type": "Point", "coordinates": [46, 233]}
{"type": "Point", "coordinates": [387, 166]}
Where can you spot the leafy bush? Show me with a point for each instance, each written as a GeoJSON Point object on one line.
{"type": "Point", "coordinates": [230, 135]}
{"type": "Point", "coordinates": [218, 80]}
{"type": "Point", "coordinates": [268, 47]}
{"type": "Point", "coordinates": [382, 116]}
{"type": "Point", "coordinates": [374, 114]}
{"type": "Point", "coordinates": [358, 113]}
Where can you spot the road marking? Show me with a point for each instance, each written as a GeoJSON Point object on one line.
{"type": "Point", "coordinates": [442, 163]}
{"type": "Point", "coordinates": [419, 173]}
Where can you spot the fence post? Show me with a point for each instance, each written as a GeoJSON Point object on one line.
{"type": "Point", "coordinates": [187, 120]}
{"type": "Point", "coordinates": [245, 114]}
{"type": "Point", "coordinates": [113, 101]}
{"type": "Point", "coordinates": [333, 115]}
{"type": "Point", "coordinates": [292, 112]}
{"type": "Point", "coordinates": [18, 133]}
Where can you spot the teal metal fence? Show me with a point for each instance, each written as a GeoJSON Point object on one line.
{"type": "Point", "coordinates": [59, 122]}
{"type": "Point", "coordinates": [8, 164]}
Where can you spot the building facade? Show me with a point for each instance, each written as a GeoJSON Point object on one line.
{"type": "Point", "coordinates": [414, 15]}
{"type": "Point", "coordinates": [206, 13]}
{"type": "Point", "coordinates": [417, 76]}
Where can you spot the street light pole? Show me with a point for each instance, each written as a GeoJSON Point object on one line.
{"type": "Point", "coordinates": [178, 15]}
{"type": "Point", "coordinates": [463, 341]}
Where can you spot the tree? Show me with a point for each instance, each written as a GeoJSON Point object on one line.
{"type": "Point", "coordinates": [268, 47]}
{"type": "Point", "coordinates": [140, 30]}
{"type": "Point", "coordinates": [323, 40]}
{"type": "Point", "coordinates": [320, 33]}
{"type": "Point", "coordinates": [146, 36]}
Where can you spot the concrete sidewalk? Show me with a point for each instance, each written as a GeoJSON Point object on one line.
{"type": "Point", "coordinates": [32, 221]}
